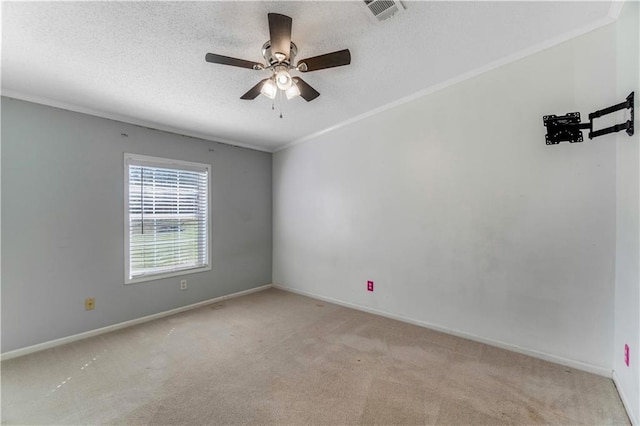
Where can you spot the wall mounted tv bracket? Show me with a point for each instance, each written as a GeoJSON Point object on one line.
{"type": "Point", "coordinates": [567, 128]}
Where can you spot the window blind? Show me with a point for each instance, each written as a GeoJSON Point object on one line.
{"type": "Point", "coordinates": [167, 217]}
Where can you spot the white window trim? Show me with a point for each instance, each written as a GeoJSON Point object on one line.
{"type": "Point", "coordinates": [167, 162]}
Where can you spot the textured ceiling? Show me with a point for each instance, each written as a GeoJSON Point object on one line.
{"type": "Point", "coordinates": [143, 62]}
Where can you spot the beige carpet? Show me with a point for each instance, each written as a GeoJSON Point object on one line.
{"type": "Point", "coordinates": [278, 358]}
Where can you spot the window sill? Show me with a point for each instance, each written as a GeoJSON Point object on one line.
{"type": "Point", "coordinates": [160, 276]}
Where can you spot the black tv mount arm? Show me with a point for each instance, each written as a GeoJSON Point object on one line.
{"type": "Point", "coordinates": [567, 128]}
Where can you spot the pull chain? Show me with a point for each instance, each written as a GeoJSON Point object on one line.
{"type": "Point", "coordinates": [279, 100]}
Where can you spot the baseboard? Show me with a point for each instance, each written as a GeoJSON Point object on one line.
{"type": "Point", "coordinates": [513, 348]}
{"type": "Point", "coordinates": [64, 340]}
{"type": "Point", "coordinates": [625, 400]}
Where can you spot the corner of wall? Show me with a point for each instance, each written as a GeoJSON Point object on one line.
{"type": "Point", "coordinates": [627, 277]}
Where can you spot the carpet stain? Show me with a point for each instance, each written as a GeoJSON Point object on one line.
{"type": "Point", "coordinates": [535, 416]}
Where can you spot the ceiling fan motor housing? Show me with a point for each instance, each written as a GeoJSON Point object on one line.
{"type": "Point", "coordinates": [271, 58]}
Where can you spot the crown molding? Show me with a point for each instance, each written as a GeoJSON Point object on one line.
{"type": "Point", "coordinates": [124, 119]}
{"type": "Point", "coordinates": [612, 16]}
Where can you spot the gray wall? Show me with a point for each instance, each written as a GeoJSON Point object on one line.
{"type": "Point", "coordinates": [461, 214]}
{"type": "Point", "coordinates": [62, 222]}
{"type": "Point", "coordinates": [627, 301]}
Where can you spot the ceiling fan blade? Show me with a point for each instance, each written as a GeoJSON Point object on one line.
{"type": "Point", "coordinates": [254, 91]}
{"type": "Point", "coordinates": [328, 60]}
{"type": "Point", "coordinates": [234, 62]}
{"type": "Point", "coordinates": [280, 33]}
{"type": "Point", "coordinates": [307, 92]}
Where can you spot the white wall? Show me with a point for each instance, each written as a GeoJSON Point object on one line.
{"type": "Point", "coordinates": [461, 214]}
{"type": "Point", "coordinates": [63, 222]}
{"type": "Point", "coordinates": [627, 300]}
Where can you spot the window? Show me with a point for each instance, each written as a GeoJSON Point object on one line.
{"type": "Point", "coordinates": [166, 218]}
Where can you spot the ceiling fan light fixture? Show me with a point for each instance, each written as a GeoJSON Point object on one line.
{"type": "Point", "coordinates": [283, 79]}
{"type": "Point", "coordinates": [269, 89]}
{"type": "Point", "coordinates": [292, 91]}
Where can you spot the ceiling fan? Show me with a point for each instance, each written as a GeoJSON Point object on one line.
{"type": "Point", "coordinates": [279, 53]}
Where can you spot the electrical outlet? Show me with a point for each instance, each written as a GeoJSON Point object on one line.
{"type": "Point", "coordinates": [183, 284]}
{"type": "Point", "coordinates": [369, 285]}
{"type": "Point", "coordinates": [89, 303]}
{"type": "Point", "coordinates": [626, 354]}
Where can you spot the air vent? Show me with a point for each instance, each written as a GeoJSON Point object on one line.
{"type": "Point", "coordinates": [383, 9]}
